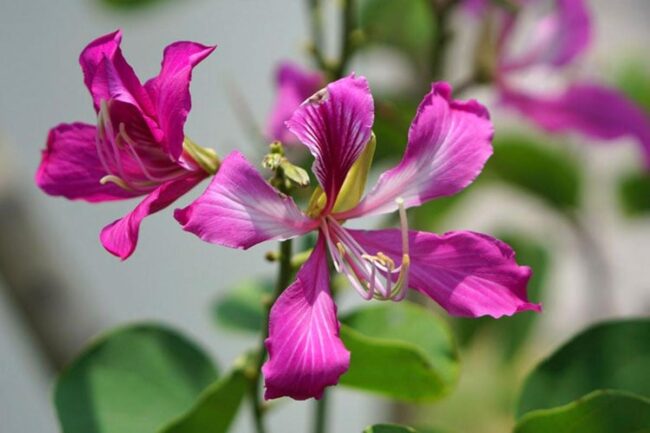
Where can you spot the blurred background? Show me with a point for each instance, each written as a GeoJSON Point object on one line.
{"type": "Point", "coordinates": [59, 286]}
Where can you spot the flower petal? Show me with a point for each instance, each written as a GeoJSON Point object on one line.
{"type": "Point", "coordinates": [121, 236]}
{"type": "Point", "coordinates": [240, 209]}
{"type": "Point", "coordinates": [70, 166]}
{"type": "Point", "coordinates": [294, 85]}
{"type": "Point", "coordinates": [108, 76]}
{"type": "Point", "coordinates": [335, 125]}
{"type": "Point", "coordinates": [593, 110]}
{"type": "Point", "coordinates": [557, 39]}
{"type": "Point", "coordinates": [170, 91]}
{"type": "Point", "coordinates": [468, 274]}
{"type": "Point", "coordinates": [305, 351]}
{"type": "Point", "coordinates": [448, 144]}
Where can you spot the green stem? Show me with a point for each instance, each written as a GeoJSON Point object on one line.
{"type": "Point", "coordinates": [284, 278]}
{"type": "Point", "coordinates": [316, 26]}
{"type": "Point", "coordinates": [348, 25]}
{"type": "Point", "coordinates": [320, 414]}
{"type": "Point", "coordinates": [441, 12]}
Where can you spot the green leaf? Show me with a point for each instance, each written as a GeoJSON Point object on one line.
{"type": "Point", "coordinates": [216, 408]}
{"type": "Point", "coordinates": [132, 380]}
{"type": "Point", "coordinates": [634, 80]}
{"type": "Point", "coordinates": [406, 25]}
{"type": "Point", "coordinates": [598, 412]}
{"type": "Point", "coordinates": [612, 355]}
{"type": "Point", "coordinates": [242, 309]}
{"type": "Point", "coordinates": [634, 193]}
{"type": "Point", "coordinates": [131, 4]}
{"type": "Point", "coordinates": [548, 173]}
{"type": "Point", "coordinates": [511, 332]}
{"type": "Point", "coordinates": [388, 428]}
{"type": "Point", "coordinates": [402, 351]}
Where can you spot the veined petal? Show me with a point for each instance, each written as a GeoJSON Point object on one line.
{"type": "Point", "coordinates": [557, 39]}
{"type": "Point", "coordinates": [305, 351]}
{"type": "Point", "coordinates": [468, 274]}
{"type": "Point", "coordinates": [240, 209]}
{"type": "Point", "coordinates": [593, 110]}
{"type": "Point", "coordinates": [335, 125]}
{"type": "Point", "coordinates": [108, 76]}
{"type": "Point", "coordinates": [449, 142]}
{"type": "Point", "coordinates": [170, 91]}
{"type": "Point", "coordinates": [70, 166]}
{"type": "Point", "coordinates": [294, 85]}
{"type": "Point", "coordinates": [121, 236]}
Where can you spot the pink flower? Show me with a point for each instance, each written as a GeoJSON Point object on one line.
{"type": "Point", "coordinates": [558, 40]}
{"type": "Point", "coordinates": [138, 147]}
{"type": "Point", "coordinates": [469, 274]}
{"type": "Point", "coordinates": [294, 85]}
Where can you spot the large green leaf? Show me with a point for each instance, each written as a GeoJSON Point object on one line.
{"type": "Point", "coordinates": [132, 380]}
{"type": "Point", "coordinates": [634, 80]}
{"type": "Point", "coordinates": [388, 428]}
{"type": "Point", "coordinates": [511, 332]}
{"type": "Point", "coordinates": [613, 355]}
{"type": "Point", "coordinates": [131, 4]}
{"type": "Point", "coordinates": [216, 408]}
{"type": "Point", "coordinates": [242, 308]}
{"type": "Point", "coordinates": [548, 173]}
{"type": "Point", "coordinates": [406, 25]}
{"type": "Point", "coordinates": [598, 412]}
{"type": "Point", "coordinates": [634, 193]}
{"type": "Point", "coordinates": [402, 351]}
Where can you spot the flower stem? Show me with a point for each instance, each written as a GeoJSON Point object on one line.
{"type": "Point", "coordinates": [284, 278]}
{"type": "Point", "coordinates": [320, 414]}
{"type": "Point", "coordinates": [441, 11]}
{"type": "Point", "coordinates": [348, 25]}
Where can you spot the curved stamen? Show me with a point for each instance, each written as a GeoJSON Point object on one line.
{"type": "Point", "coordinates": [365, 271]}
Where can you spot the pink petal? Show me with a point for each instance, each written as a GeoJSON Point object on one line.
{"type": "Point", "coordinates": [593, 110]}
{"type": "Point", "coordinates": [335, 126]}
{"type": "Point", "coordinates": [468, 274]}
{"type": "Point", "coordinates": [448, 144]}
{"type": "Point", "coordinates": [121, 236]}
{"type": "Point", "coordinates": [71, 168]}
{"type": "Point", "coordinates": [305, 351]}
{"type": "Point", "coordinates": [294, 85]}
{"type": "Point", "coordinates": [240, 209]}
{"type": "Point", "coordinates": [108, 76]}
{"type": "Point", "coordinates": [170, 91]}
{"type": "Point", "coordinates": [557, 39]}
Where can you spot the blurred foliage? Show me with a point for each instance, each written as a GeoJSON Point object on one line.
{"type": "Point", "coordinates": [242, 308]}
{"type": "Point", "coordinates": [216, 407]}
{"type": "Point", "coordinates": [388, 428]}
{"type": "Point", "coordinates": [510, 333]}
{"type": "Point", "coordinates": [552, 175]}
{"type": "Point", "coordinates": [410, 35]}
{"type": "Point", "coordinates": [401, 351]}
{"type": "Point", "coordinates": [598, 412]}
{"type": "Point", "coordinates": [393, 118]}
{"type": "Point", "coordinates": [634, 193]}
{"type": "Point", "coordinates": [134, 379]}
{"type": "Point", "coordinates": [128, 5]}
{"type": "Point", "coordinates": [634, 80]}
{"type": "Point", "coordinates": [612, 355]}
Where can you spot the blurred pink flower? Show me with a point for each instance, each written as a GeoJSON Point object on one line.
{"type": "Point", "coordinates": [294, 84]}
{"type": "Point", "coordinates": [557, 40]}
{"type": "Point", "coordinates": [469, 274]}
{"type": "Point", "coordinates": [137, 147]}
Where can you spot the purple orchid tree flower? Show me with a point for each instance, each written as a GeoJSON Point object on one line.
{"type": "Point", "coordinates": [468, 274]}
{"type": "Point", "coordinates": [138, 147]}
{"type": "Point", "coordinates": [294, 84]}
{"type": "Point", "coordinates": [558, 39]}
